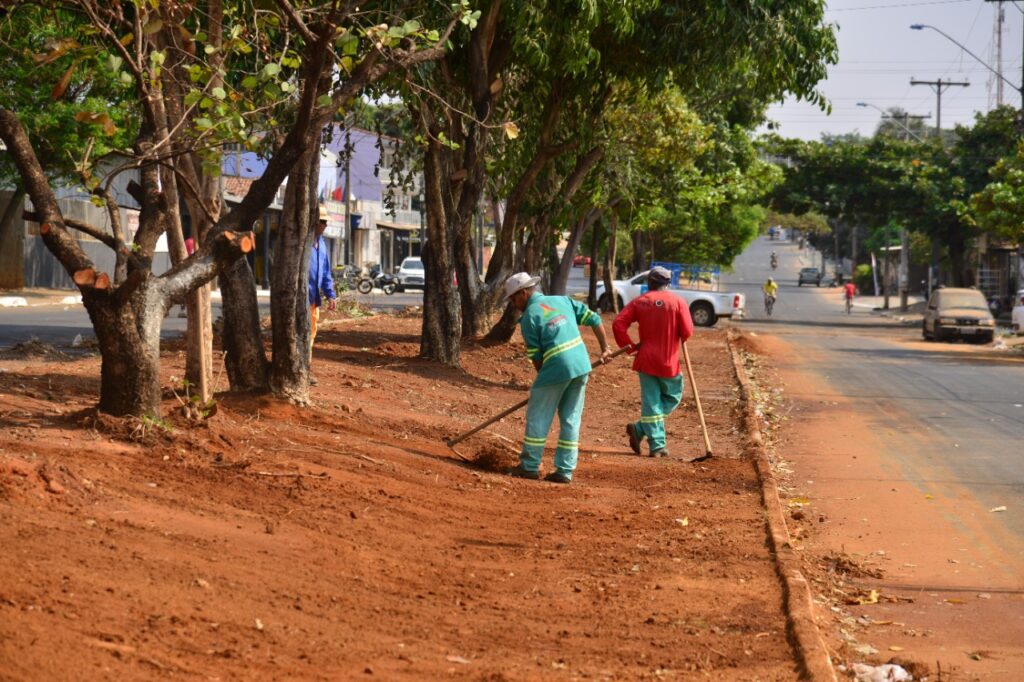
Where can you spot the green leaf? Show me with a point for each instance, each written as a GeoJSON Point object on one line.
{"type": "Point", "coordinates": [204, 123]}
{"type": "Point", "coordinates": [218, 92]}
{"type": "Point", "coordinates": [153, 26]}
{"type": "Point", "coordinates": [192, 97]}
{"type": "Point", "coordinates": [250, 82]}
{"type": "Point", "coordinates": [271, 70]}
{"type": "Point", "coordinates": [324, 100]}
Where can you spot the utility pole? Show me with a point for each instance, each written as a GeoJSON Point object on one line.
{"type": "Point", "coordinates": [904, 269]}
{"type": "Point", "coordinates": [347, 232]}
{"type": "Point", "coordinates": [885, 268]}
{"type": "Point", "coordinates": [939, 86]}
{"type": "Point", "coordinates": [904, 120]}
{"type": "Point", "coordinates": [1000, 18]}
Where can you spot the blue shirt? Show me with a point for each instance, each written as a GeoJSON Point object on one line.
{"type": "Point", "coordinates": [320, 279]}
{"type": "Point", "coordinates": [550, 327]}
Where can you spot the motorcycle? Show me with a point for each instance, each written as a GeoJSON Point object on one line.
{"type": "Point", "coordinates": [346, 277]}
{"type": "Point", "coordinates": [378, 278]}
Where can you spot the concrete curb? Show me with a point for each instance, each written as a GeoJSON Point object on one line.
{"type": "Point", "coordinates": [810, 649]}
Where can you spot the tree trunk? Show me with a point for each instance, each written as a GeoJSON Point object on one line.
{"type": "Point", "coordinates": [289, 301]}
{"type": "Point", "coordinates": [129, 345]}
{"type": "Point", "coordinates": [639, 251]}
{"type": "Point", "coordinates": [242, 339]}
{"type": "Point", "coordinates": [442, 323]}
{"type": "Point", "coordinates": [12, 242]}
{"type": "Point", "coordinates": [609, 263]}
{"type": "Point", "coordinates": [957, 260]}
{"type": "Point", "coordinates": [595, 240]}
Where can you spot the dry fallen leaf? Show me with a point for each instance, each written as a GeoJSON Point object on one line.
{"type": "Point", "coordinates": [457, 659]}
{"type": "Point", "coordinates": [997, 509]}
{"type": "Point", "coordinates": [895, 648]}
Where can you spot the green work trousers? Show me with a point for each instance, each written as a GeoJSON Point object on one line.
{"type": "Point", "coordinates": [566, 398]}
{"type": "Point", "coordinates": [658, 398]}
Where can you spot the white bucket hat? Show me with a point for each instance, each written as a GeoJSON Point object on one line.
{"type": "Point", "coordinates": [323, 213]}
{"type": "Point", "coordinates": [518, 282]}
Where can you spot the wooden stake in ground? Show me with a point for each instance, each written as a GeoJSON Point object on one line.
{"type": "Point", "coordinates": [700, 410]}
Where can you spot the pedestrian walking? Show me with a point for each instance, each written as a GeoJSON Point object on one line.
{"type": "Point", "coordinates": [321, 283]}
{"type": "Point", "coordinates": [550, 328]}
{"type": "Point", "coordinates": [664, 324]}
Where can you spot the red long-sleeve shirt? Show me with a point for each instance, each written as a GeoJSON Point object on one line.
{"type": "Point", "coordinates": [664, 321]}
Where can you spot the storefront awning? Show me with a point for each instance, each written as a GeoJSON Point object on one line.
{"type": "Point", "coordinates": [397, 226]}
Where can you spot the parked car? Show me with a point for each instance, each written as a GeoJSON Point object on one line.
{"type": "Point", "coordinates": [410, 274]}
{"type": "Point", "coordinates": [1017, 317]}
{"type": "Point", "coordinates": [580, 261]}
{"type": "Point", "coordinates": [809, 276]}
{"type": "Point", "coordinates": [706, 307]}
{"type": "Point", "coordinates": [958, 314]}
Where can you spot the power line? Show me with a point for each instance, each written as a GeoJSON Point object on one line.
{"type": "Point", "coordinates": [907, 4]}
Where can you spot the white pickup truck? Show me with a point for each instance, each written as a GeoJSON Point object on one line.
{"type": "Point", "coordinates": [706, 307]}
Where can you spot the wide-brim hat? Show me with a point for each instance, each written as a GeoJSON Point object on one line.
{"type": "Point", "coordinates": [518, 282]}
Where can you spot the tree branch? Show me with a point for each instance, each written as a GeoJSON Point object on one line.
{"type": "Point", "coordinates": [296, 20]}
{"type": "Point", "coordinates": [219, 251]}
{"type": "Point", "coordinates": [57, 240]}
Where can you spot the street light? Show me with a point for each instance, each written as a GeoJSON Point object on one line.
{"type": "Point", "coordinates": [921, 27]}
{"type": "Point", "coordinates": [894, 118]}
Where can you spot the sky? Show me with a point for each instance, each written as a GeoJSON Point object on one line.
{"type": "Point", "coordinates": [879, 54]}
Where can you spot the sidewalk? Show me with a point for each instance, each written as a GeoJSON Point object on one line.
{"type": "Point", "coordinates": [20, 298]}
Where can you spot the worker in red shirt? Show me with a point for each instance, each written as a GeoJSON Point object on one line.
{"type": "Point", "coordinates": [664, 323]}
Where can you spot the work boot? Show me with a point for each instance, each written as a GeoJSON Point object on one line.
{"type": "Point", "coordinates": [520, 472]}
{"type": "Point", "coordinates": [634, 439]}
{"type": "Point", "coordinates": [660, 452]}
{"type": "Point", "coordinates": [558, 477]}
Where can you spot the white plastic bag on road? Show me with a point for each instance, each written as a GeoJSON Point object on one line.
{"type": "Point", "coordinates": [881, 673]}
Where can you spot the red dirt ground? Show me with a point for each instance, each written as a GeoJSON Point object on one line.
{"type": "Point", "coordinates": [173, 554]}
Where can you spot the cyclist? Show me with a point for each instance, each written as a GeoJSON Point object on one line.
{"type": "Point", "coordinates": [849, 291]}
{"type": "Point", "coordinates": [770, 289]}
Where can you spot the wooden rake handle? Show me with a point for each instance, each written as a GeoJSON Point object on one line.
{"type": "Point", "coordinates": [696, 399]}
{"type": "Point", "coordinates": [506, 412]}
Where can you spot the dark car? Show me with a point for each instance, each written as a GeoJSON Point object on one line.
{"type": "Point", "coordinates": [809, 276]}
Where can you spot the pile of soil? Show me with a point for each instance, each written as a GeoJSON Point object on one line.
{"type": "Point", "coordinates": [345, 540]}
{"type": "Point", "coordinates": [495, 458]}
{"type": "Point", "coordinates": [32, 349]}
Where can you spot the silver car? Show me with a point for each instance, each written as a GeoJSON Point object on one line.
{"type": "Point", "coordinates": [958, 314]}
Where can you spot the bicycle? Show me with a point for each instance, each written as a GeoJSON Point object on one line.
{"type": "Point", "coordinates": [769, 304]}
{"type": "Point", "coordinates": [849, 305]}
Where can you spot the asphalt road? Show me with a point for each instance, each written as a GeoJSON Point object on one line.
{"type": "Point", "coordinates": [970, 404]}
{"type": "Point", "coordinates": [59, 324]}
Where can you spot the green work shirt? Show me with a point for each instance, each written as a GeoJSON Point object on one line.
{"type": "Point", "coordinates": [550, 326]}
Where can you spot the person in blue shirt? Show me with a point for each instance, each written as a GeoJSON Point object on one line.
{"type": "Point", "coordinates": [550, 328]}
{"type": "Point", "coordinates": [321, 283]}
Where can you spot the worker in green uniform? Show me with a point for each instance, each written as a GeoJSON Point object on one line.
{"type": "Point", "coordinates": [550, 327]}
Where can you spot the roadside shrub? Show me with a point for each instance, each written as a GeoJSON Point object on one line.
{"type": "Point", "coordinates": [862, 279]}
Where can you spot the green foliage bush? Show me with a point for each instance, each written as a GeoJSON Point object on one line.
{"type": "Point", "coordinates": [862, 278]}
